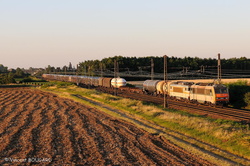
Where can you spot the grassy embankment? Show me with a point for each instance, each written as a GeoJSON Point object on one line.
{"type": "Point", "coordinates": [227, 135]}
{"type": "Point", "coordinates": [26, 82]}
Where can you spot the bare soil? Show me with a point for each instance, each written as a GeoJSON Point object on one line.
{"type": "Point", "coordinates": [40, 128]}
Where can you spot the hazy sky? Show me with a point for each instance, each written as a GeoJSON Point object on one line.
{"type": "Point", "coordinates": [37, 33]}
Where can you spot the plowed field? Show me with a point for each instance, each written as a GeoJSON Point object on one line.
{"type": "Point", "coordinates": [40, 128]}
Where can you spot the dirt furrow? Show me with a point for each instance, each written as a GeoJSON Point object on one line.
{"type": "Point", "coordinates": [11, 96]}
{"type": "Point", "coordinates": [103, 137]}
{"type": "Point", "coordinates": [17, 143]}
{"type": "Point", "coordinates": [10, 112]}
{"type": "Point", "coordinates": [125, 143]}
{"type": "Point", "coordinates": [64, 131]}
{"type": "Point", "coordinates": [109, 144]}
{"type": "Point", "coordinates": [13, 126]}
{"type": "Point", "coordinates": [35, 131]}
{"type": "Point", "coordinates": [41, 135]}
{"type": "Point", "coordinates": [5, 97]}
{"type": "Point", "coordinates": [77, 135]}
{"type": "Point", "coordinates": [73, 136]}
{"type": "Point", "coordinates": [88, 147]}
{"type": "Point", "coordinates": [6, 108]}
{"type": "Point", "coordinates": [56, 143]}
{"type": "Point", "coordinates": [24, 135]}
{"type": "Point", "coordinates": [143, 143]}
{"type": "Point", "coordinates": [129, 141]}
{"type": "Point", "coordinates": [96, 136]}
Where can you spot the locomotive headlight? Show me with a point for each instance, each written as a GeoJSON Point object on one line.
{"type": "Point", "coordinates": [221, 98]}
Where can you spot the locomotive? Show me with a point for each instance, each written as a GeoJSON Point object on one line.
{"type": "Point", "coordinates": [207, 93]}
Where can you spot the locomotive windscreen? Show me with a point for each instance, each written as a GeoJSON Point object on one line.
{"type": "Point", "coordinates": [221, 90]}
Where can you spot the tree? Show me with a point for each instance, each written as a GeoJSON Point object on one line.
{"type": "Point", "coordinates": [19, 73]}
{"type": "Point", "coordinates": [48, 69]}
{"type": "Point", "coordinates": [70, 66]}
{"type": "Point", "coordinates": [3, 69]}
{"type": "Point", "coordinates": [7, 78]}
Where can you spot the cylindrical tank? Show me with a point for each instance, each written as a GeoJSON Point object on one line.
{"type": "Point", "coordinates": [161, 86]}
{"type": "Point", "coordinates": [150, 85]}
{"type": "Point", "coordinates": [118, 82]}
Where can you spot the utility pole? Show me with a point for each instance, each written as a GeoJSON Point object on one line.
{"type": "Point", "coordinates": [114, 68]}
{"type": "Point", "coordinates": [184, 69]}
{"type": "Point", "coordinates": [140, 69]}
{"type": "Point", "coordinates": [128, 71]}
{"type": "Point", "coordinates": [89, 76]}
{"type": "Point", "coordinates": [101, 70]}
{"type": "Point", "coordinates": [115, 76]}
{"type": "Point", "coordinates": [77, 68]}
{"type": "Point", "coordinates": [202, 69]}
{"type": "Point", "coordinates": [219, 69]}
{"type": "Point", "coordinates": [117, 69]}
{"type": "Point", "coordinates": [165, 81]}
{"type": "Point", "coordinates": [77, 78]}
{"type": "Point", "coordinates": [152, 69]}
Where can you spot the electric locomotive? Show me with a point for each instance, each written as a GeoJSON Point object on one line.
{"type": "Point", "coordinates": [206, 93]}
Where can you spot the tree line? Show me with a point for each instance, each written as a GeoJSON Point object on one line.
{"type": "Point", "coordinates": [174, 63]}
{"type": "Point", "coordinates": [8, 76]}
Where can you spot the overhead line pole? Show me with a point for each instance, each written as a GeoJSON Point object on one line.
{"type": "Point", "coordinates": [152, 69]}
{"type": "Point", "coordinates": [165, 81]}
{"type": "Point", "coordinates": [115, 76]}
{"type": "Point", "coordinates": [117, 69]}
{"type": "Point", "coordinates": [219, 69]}
{"type": "Point", "coordinates": [101, 70]}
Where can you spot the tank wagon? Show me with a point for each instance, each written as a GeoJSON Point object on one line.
{"type": "Point", "coordinates": [207, 93]}
{"type": "Point", "coordinates": [118, 82]}
{"type": "Point", "coordinates": [87, 80]}
{"type": "Point", "coordinates": [149, 87]}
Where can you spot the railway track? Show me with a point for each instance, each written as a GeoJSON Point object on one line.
{"type": "Point", "coordinates": [226, 113]}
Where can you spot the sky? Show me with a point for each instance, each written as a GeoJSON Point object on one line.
{"type": "Point", "coordinates": [38, 33]}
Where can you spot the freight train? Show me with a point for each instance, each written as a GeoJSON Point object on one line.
{"type": "Point", "coordinates": [88, 80]}
{"type": "Point", "coordinates": [207, 93]}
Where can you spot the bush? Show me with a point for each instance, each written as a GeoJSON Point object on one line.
{"type": "Point", "coordinates": [247, 98]}
{"type": "Point", "coordinates": [27, 79]}
{"type": "Point", "coordinates": [7, 78]}
{"type": "Point", "coordinates": [63, 84]}
{"type": "Point", "coordinates": [237, 93]}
